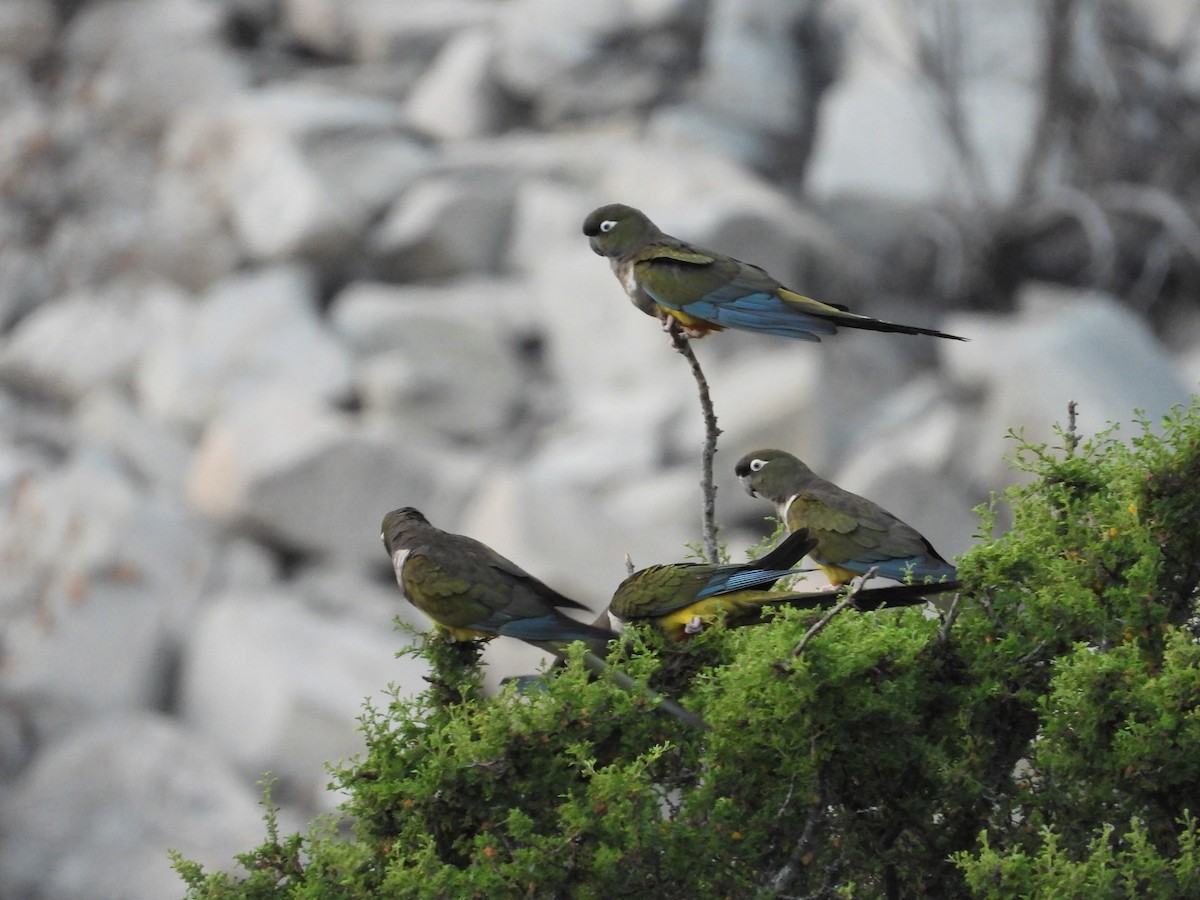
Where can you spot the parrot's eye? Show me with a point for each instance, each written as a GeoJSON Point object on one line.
{"type": "Point", "coordinates": [757, 465]}
{"type": "Point", "coordinates": [608, 225]}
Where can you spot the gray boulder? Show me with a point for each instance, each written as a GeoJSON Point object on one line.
{"type": "Point", "coordinates": [280, 686]}
{"type": "Point", "coordinates": [93, 339]}
{"type": "Point", "coordinates": [103, 582]}
{"type": "Point", "coordinates": [1064, 345]}
{"type": "Point", "coordinates": [288, 170]}
{"type": "Point", "coordinates": [310, 480]}
{"type": "Point", "coordinates": [445, 227]}
{"type": "Point", "coordinates": [96, 814]}
{"type": "Point", "coordinates": [446, 361]}
{"type": "Point", "coordinates": [249, 333]}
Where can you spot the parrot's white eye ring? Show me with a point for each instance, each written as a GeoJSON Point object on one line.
{"type": "Point", "coordinates": [608, 225]}
{"type": "Point", "coordinates": [757, 465]}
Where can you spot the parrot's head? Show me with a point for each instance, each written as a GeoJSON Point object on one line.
{"type": "Point", "coordinates": [774, 475]}
{"type": "Point", "coordinates": [399, 523]}
{"type": "Point", "coordinates": [618, 231]}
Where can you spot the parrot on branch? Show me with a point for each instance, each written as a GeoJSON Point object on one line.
{"type": "Point", "coordinates": [853, 534]}
{"type": "Point", "coordinates": [704, 291]}
{"type": "Point", "coordinates": [471, 592]}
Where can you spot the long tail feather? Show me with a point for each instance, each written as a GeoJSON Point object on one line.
{"type": "Point", "coordinates": [852, 320]}
{"type": "Point", "coordinates": [895, 597]}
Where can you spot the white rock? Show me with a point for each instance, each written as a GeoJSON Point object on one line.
{"type": "Point", "coordinates": [159, 455]}
{"type": "Point", "coordinates": [552, 529]}
{"type": "Point", "coordinates": [26, 28]}
{"type": "Point", "coordinates": [372, 30]}
{"type": "Point", "coordinates": [137, 62]}
{"type": "Point", "coordinates": [769, 94]}
{"type": "Point", "coordinates": [456, 97]}
{"type": "Point", "coordinates": [371, 316]}
{"type": "Point", "coordinates": [446, 361]}
{"type": "Point", "coordinates": [16, 744]}
{"type": "Point", "coordinates": [547, 41]}
{"type": "Point", "coordinates": [445, 227]}
{"type": "Point", "coordinates": [577, 157]}
{"type": "Point", "coordinates": [310, 480]}
{"type": "Point", "coordinates": [859, 371]}
{"type": "Point", "coordinates": [1065, 345]}
{"type": "Point", "coordinates": [95, 813]}
{"type": "Point", "coordinates": [617, 434]}
{"type": "Point", "coordinates": [880, 129]}
{"type": "Point", "coordinates": [676, 183]}
{"type": "Point", "coordinates": [570, 522]}
{"type": "Point", "coordinates": [250, 333]}
{"type": "Point", "coordinates": [1172, 26]}
{"type": "Point", "coordinates": [109, 654]}
{"type": "Point", "coordinates": [280, 686]}
{"type": "Point", "coordinates": [101, 582]}
{"type": "Point", "coordinates": [571, 60]}
{"type": "Point", "coordinates": [244, 565]}
{"type": "Point", "coordinates": [765, 400]}
{"type": "Point", "coordinates": [370, 597]}
{"type": "Point", "coordinates": [292, 169]}
{"type": "Point", "coordinates": [90, 340]}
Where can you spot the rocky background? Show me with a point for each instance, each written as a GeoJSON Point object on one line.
{"type": "Point", "coordinates": [270, 268]}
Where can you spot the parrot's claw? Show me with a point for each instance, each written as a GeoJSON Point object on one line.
{"type": "Point", "coordinates": [695, 626]}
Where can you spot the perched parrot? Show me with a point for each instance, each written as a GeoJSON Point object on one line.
{"type": "Point", "coordinates": [852, 533]}
{"type": "Point", "coordinates": [681, 599]}
{"type": "Point", "coordinates": [708, 291]}
{"type": "Point", "coordinates": [473, 593]}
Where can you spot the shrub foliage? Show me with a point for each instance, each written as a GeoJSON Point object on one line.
{"type": "Point", "coordinates": [1037, 737]}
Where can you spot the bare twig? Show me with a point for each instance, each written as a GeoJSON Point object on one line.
{"type": "Point", "coordinates": [783, 879]}
{"type": "Point", "coordinates": [709, 499]}
{"type": "Point", "coordinates": [951, 618]}
{"type": "Point", "coordinates": [820, 624]}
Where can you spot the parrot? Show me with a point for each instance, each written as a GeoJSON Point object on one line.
{"type": "Point", "coordinates": [471, 593]}
{"type": "Point", "coordinates": [682, 599]}
{"type": "Point", "coordinates": [704, 291]}
{"type": "Point", "coordinates": [853, 534]}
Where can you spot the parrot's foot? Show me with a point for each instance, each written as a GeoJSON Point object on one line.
{"type": "Point", "coordinates": [677, 329]}
{"type": "Point", "coordinates": [695, 626]}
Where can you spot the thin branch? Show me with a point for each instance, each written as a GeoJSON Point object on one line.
{"type": "Point", "coordinates": [951, 618]}
{"type": "Point", "coordinates": [1072, 430]}
{"type": "Point", "coordinates": [709, 498]}
{"type": "Point", "coordinates": [783, 879]}
{"type": "Point", "coordinates": [820, 624]}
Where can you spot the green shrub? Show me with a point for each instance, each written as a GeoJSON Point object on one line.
{"type": "Point", "coordinates": [1038, 738]}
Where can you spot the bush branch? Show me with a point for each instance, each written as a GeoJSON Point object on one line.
{"type": "Point", "coordinates": [709, 489]}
